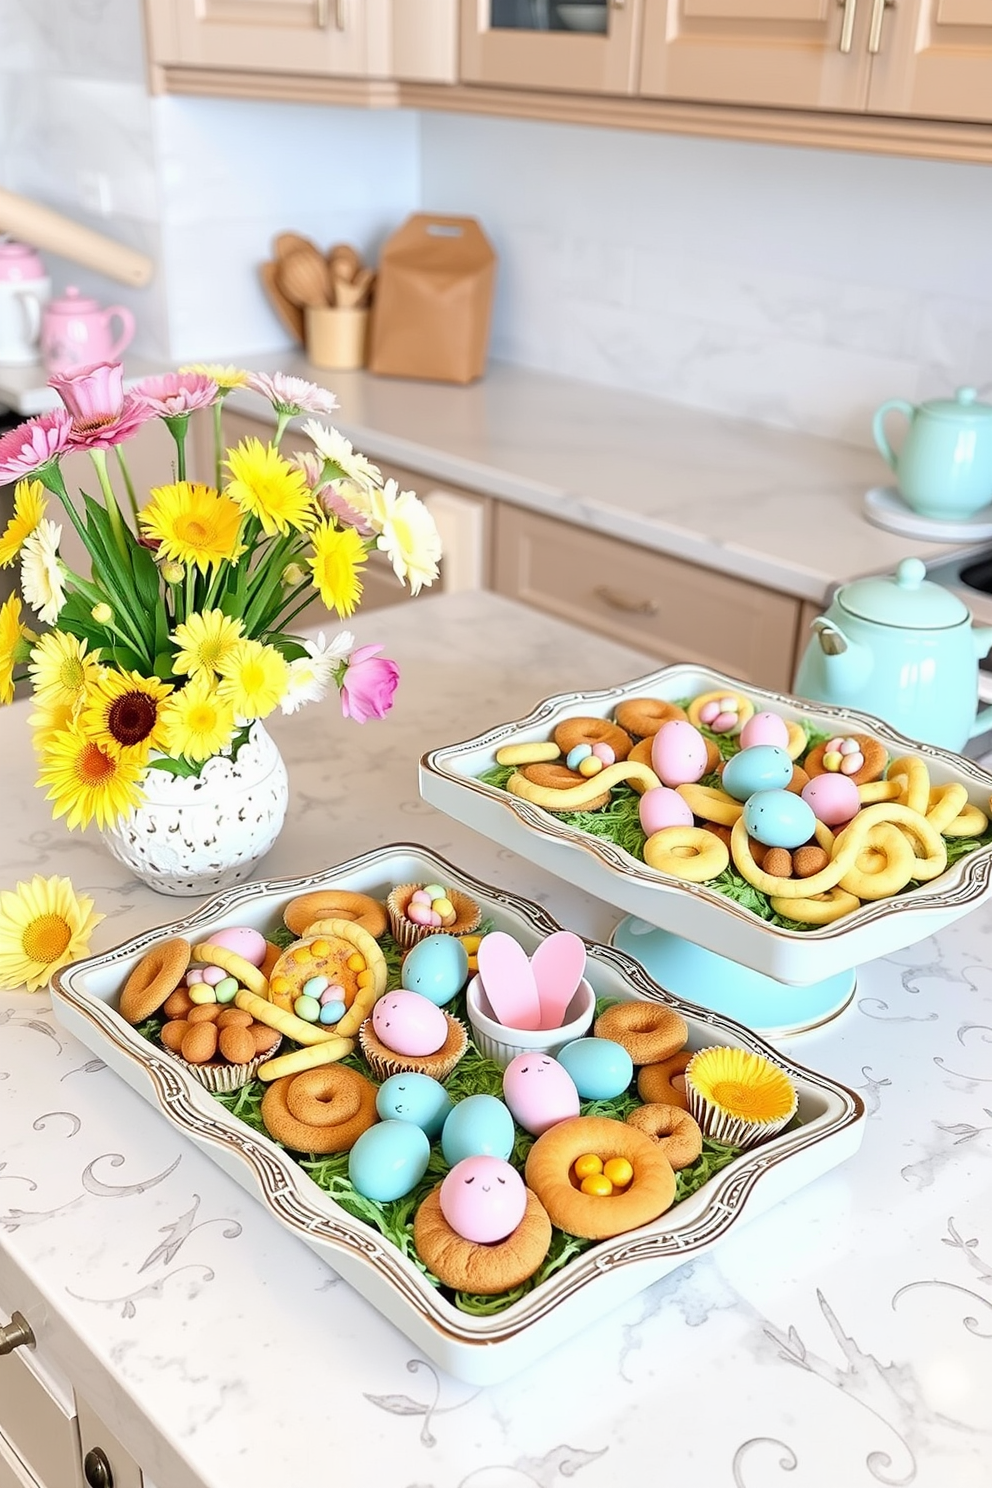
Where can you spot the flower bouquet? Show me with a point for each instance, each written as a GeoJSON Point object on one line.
{"type": "Point", "coordinates": [166, 657]}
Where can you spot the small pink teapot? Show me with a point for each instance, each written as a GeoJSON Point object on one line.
{"type": "Point", "coordinates": [77, 332]}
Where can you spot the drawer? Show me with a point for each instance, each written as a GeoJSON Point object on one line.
{"type": "Point", "coordinates": [674, 610]}
{"type": "Point", "coordinates": [13, 1473]}
{"type": "Point", "coordinates": [43, 1435]}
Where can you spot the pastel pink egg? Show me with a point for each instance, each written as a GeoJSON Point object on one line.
{"type": "Point", "coordinates": [663, 807]}
{"type": "Point", "coordinates": [765, 728]}
{"type": "Point", "coordinates": [539, 1092]}
{"type": "Point", "coordinates": [833, 797]}
{"type": "Point", "coordinates": [483, 1199]}
{"type": "Point", "coordinates": [419, 913]}
{"type": "Point", "coordinates": [678, 753]}
{"type": "Point", "coordinates": [243, 941]}
{"type": "Point", "coordinates": [409, 1023]}
{"type": "Point", "coordinates": [212, 975]}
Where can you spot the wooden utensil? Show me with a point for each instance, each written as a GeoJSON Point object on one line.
{"type": "Point", "coordinates": [344, 260]}
{"type": "Point", "coordinates": [302, 277]}
{"type": "Point", "coordinates": [291, 315]}
{"type": "Point", "coordinates": [286, 243]}
{"type": "Point", "coordinates": [354, 294]}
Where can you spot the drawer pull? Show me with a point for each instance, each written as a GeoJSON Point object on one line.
{"type": "Point", "coordinates": [620, 602]}
{"type": "Point", "coordinates": [97, 1470]}
{"type": "Point", "coordinates": [16, 1335]}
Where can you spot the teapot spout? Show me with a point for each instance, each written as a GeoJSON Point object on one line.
{"type": "Point", "coordinates": [981, 636]}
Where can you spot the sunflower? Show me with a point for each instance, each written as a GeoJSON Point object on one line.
{"type": "Point", "coordinates": [194, 524]}
{"type": "Point", "coordinates": [44, 925]}
{"type": "Point", "coordinates": [121, 713]}
{"type": "Point", "coordinates": [61, 669]}
{"type": "Point", "coordinates": [29, 508]}
{"type": "Point", "coordinates": [204, 641]}
{"type": "Point", "coordinates": [270, 488]}
{"type": "Point", "coordinates": [253, 679]}
{"type": "Point", "coordinates": [50, 719]}
{"type": "Point", "coordinates": [337, 560]}
{"type": "Point", "coordinates": [15, 644]}
{"type": "Point", "coordinates": [196, 721]}
{"type": "Point", "coordinates": [85, 783]}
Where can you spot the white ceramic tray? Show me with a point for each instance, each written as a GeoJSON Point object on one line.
{"type": "Point", "coordinates": [695, 911]}
{"type": "Point", "coordinates": [481, 1350]}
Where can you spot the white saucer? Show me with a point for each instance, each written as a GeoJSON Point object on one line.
{"type": "Point", "coordinates": [884, 507]}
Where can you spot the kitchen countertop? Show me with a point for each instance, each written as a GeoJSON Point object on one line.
{"type": "Point", "coordinates": [844, 1337]}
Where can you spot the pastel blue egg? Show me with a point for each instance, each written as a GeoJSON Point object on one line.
{"type": "Point", "coordinates": [479, 1126]}
{"type": "Point", "coordinates": [414, 1097]}
{"type": "Point", "coordinates": [388, 1160]}
{"type": "Point", "coordinates": [436, 967]}
{"type": "Point", "coordinates": [761, 767]}
{"type": "Point", "coordinates": [331, 1012]}
{"type": "Point", "coordinates": [779, 818]}
{"type": "Point", "coordinates": [315, 986]}
{"type": "Point", "coordinates": [599, 1067]}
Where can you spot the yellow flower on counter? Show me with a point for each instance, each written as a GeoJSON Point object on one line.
{"type": "Point", "coordinates": [253, 679]}
{"type": "Point", "coordinates": [85, 783]}
{"type": "Point", "coordinates": [29, 508]}
{"type": "Point", "coordinates": [268, 487]}
{"type": "Point", "coordinates": [121, 713]}
{"type": "Point", "coordinates": [193, 524]}
{"type": "Point", "coordinates": [44, 925]}
{"type": "Point", "coordinates": [338, 557]}
{"type": "Point", "coordinates": [196, 721]}
{"type": "Point", "coordinates": [205, 642]}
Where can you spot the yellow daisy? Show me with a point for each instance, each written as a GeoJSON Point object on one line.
{"type": "Point", "coordinates": [253, 679]}
{"type": "Point", "coordinates": [337, 560]}
{"type": "Point", "coordinates": [85, 783]}
{"type": "Point", "coordinates": [196, 721]}
{"type": "Point", "coordinates": [194, 524]}
{"type": "Point", "coordinates": [15, 643]}
{"type": "Point", "coordinates": [29, 508]}
{"type": "Point", "coordinates": [205, 641]}
{"type": "Point", "coordinates": [44, 925]}
{"type": "Point", "coordinates": [121, 713]}
{"type": "Point", "coordinates": [49, 719]}
{"type": "Point", "coordinates": [61, 669]}
{"type": "Point", "coordinates": [270, 488]}
{"type": "Point", "coordinates": [226, 378]}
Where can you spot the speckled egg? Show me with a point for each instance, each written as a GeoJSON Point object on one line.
{"type": "Point", "coordinates": [833, 797]}
{"type": "Point", "coordinates": [410, 1096]}
{"type": "Point", "coordinates": [243, 941]}
{"type": "Point", "coordinates": [764, 728]}
{"type": "Point", "coordinates": [779, 818]}
{"type": "Point", "coordinates": [662, 807]}
{"type": "Point", "coordinates": [539, 1092]}
{"type": "Point", "coordinates": [678, 753]}
{"type": "Point", "coordinates": [600, 1067]}
{"type": "Point", "coordinates": [388, 1160]}
{"type": "Point", "coordinates": [479, 1125]}
{"type": "Point", "coordinates": [408, 1023]}
{"type": "Point", "coordinates": [436, 967]}
{"type": "Point", "coordinates": [483, 1199]}
{"type": "Point", "coordinates": [762, 767]}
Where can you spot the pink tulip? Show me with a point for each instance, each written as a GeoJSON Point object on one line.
{"type": "Point", "coordinates": [26, 450]}
{"type": "Point", "coordinates": [369, 684]}
{"type": "Point", "coordinates": [102, 413]}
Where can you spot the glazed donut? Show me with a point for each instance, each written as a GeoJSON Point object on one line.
{"type": "Point", "coordinates": [643, 716]}
{"type": "Point", "coordinates": [649, 1031]}
{"type": "Point", "coordinates": [558, 777]}
{"type": "Point", "coordinates": [321, 1110]}
{"type": "Point", "coordinates": [548, 1173]}
{"type": "Point", "coordinates": [468, 1266]}
{"type": "Point", "coordinates": [656, 1082]}
{"type": "Point", "coordinates": [884, 863]}
{"type": "Point", "coordinates": [689, 853]}
{"type": "Point", "coordinates": [873, 754]}
{"type": "Point", "coordinates": [578, 797]}
{"type": "Point", "coordinates": [676, 1132]}
{"type": "Point", "coordinates": [335, 904]}
{"type": "Point", "coordinates": [818, 909]}
{"type": "Point", "coordinates": [711, 805]}
{"type": "Point", "coordinates": [572, 731]}
{"type": "Point", "coordinates": [155, 977]}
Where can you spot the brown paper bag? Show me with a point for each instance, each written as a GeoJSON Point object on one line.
{"type": "Point", "coordinates": [433, 300]}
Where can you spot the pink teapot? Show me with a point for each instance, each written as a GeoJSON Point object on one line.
{"type": "Point", "coordinates": [77, 332]}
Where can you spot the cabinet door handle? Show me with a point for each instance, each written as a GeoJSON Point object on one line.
{"type": "Point", "coordinates": [340, 19]}
{"type": "Point", "coordinates": [97, 1469]}
{"type": "Point", "coordinates": [847, 24]}
{"type": "Point", "coordinates": [621, 602]}
{"type": "Point", "coordinates": [323, 14]}
{"type": "Point", "coordinates": [17, 1334]}
{"type": "Point", "coordinates": [875, 28]}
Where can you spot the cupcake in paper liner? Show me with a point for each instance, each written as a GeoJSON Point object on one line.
{"type": "Point", "coordinates": [219, 1077]}
{"type": "Point", "coordinates": [407, 932]}
{"type": "Point", "coordinates": [738, 1097]}
{"type": "Point", "coordinates": [383, 1061]}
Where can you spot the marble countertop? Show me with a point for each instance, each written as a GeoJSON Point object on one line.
{"type": "Point", "coordinates": [844, 1337]}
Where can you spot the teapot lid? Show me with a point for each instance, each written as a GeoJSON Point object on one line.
{"type": "Point", "coordinates": [72, 303]}
{"type": "Point", "coordinates": [963, 407]}
{"type": "Point", "coordinates": [905, 599]}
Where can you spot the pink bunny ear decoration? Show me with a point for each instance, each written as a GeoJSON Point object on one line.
{"type": "Point", "coordinates": [508, 981]}
{"type": "Point", "coordinates": [558, 964]}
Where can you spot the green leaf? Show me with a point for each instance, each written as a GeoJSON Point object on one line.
{"type": "Point", "coordinates": [163, 665]}
{"type": "Point", "coordinates": [180, 766]}
{"type": "Point", "coordinates": [287, 645]}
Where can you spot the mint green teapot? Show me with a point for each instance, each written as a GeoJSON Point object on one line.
{"type": "Point", "coordinates": [943, 467]}
{"type": "Point", "coordinates": [903, 649]}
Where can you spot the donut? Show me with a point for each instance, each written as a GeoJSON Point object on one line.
{"type": "Point", "coordinates": [560, 777]}
{"type": "Point", "coordinates": [548, 1172]}
{"type": "Point", "coordinates": [676, 1132]}
{"type": "Point", "coordinates": [656, 1083]}
{"type": "Point", "coordinates": [649, 1031]}
{"type": "Point", "coordinates": [468, 1266]}
{"type": "Point", "coordinates": [641, 755]}
{"type": "Point", "coordinates": [689, 853]}
{"type": "Point", "coordinates": [321, 1110]}
{"type": "Point", "coordinates": [572, 731]}
{"type": "Point", "coordinates": [156, 975]}
{"type": "Point", "coordinates": [883, 866]}
{"type": "Point", "coordinates": [643, 716]}
{"type": "Point", "coordinates": [873, 755]}
{"type": "Point", "coordinates": [335, 904]}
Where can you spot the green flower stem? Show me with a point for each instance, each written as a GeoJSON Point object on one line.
{"type": "Point", "coordinates": [129, 484]}
{"type": "Point", "coordinates": [308, 598]}
{"type": "Point", "coordinates": [178, 424]}
{"type": "Point", "coordinates": [266, 582]}
{"type": "Point", "coordinates": [99, 458]}
{"type": "Point", "coordinates": [281, 423]}
{"type": "Point", "coordinates": [218, 409]}
{"type": "Point", "coordinates": [51, 478]}
{"type": "Point", "coordinates": [131, 634]}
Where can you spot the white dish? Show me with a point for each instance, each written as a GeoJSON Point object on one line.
{"type": "Point", "coordinates": [481, 1350]}
{"type": "Point", "coordinates": [695, 911]}
{"type": "Point", "coordinates": [578, 17]}
{"type": "Point", "coordinates": [884, 507]}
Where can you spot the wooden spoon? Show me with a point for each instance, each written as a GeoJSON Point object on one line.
{"type": "Point", "coordinates": [344, 261]}
{"type": "Point", "coordinates": [283, 244]}
{"type": "Point", "coordinates": [350, 296]}
{"type": "Point", "coordinates": [302, 277]}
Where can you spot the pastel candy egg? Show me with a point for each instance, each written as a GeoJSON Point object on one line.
{"type": "Point", "coordinates": [227, 989]}
{"type": "Point", "coordinates": [436, 967]}
{"type": "Point", "coordinates": [678, 753]}
{"type": "Point", "coordinates": [834, 798]}
{"type": "Point", "coordinates": [479, 1124]}
{"type": "Point", "coordinates": [307, 1008]}
{"type": "Point", "coordinates": [315, 986]}
{"type": "Point", "coordinates": [330, 1013]}
{"type": "Point", "coordinates": [663, 807]}
{"type": "Point", "coordinates": [539, 1092]}
{"type": "Point", "coordinates": [243, 941]}
{"type": "Point", "coordinates": [408, 1023]}
{"type": "Point", "coordinates": [600, 1067]}
{"type": "Point", "coordinates": [483, 1199]}
{"type": "Point", "coordinates": [419, 913]}
{"type": "Point", "coordinates": [212, 975]}
{"type": "Point", "coordinates": [765, 728]}
{"type": "Point", "coordinates": [605, 752]}
{"type": "Point", "coordinates": [759, 768]}
{"type": "Point", "coordinates": [420, 896]}
{"type": "Point", "coordinates": [388, 1160]}
{"type": "Point", "coordinates": [779, 818]}
{"type": "Point", "coordinates": [417, 1098]}
{"type": "Point", "coordinates": [202, 993]}
{"type": "Point", "coordinates": [577, 754]}
{"type": "Point", "coordinates": [435, 891]}
{"type": "Point", "coordinates": [194, 975]}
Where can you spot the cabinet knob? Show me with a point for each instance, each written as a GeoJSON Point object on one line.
{"type": "Point", "coordinates": [97, 1470]}
{"type": "Point", "coordinates": [17, 1334]}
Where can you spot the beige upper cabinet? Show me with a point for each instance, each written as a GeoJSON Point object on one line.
{"type": "Point", "coordinates": [333, 37]}
{"type": "Point", "coordinates": [932, 59]}
{"type": "Point", "coordinates": [585, 47]}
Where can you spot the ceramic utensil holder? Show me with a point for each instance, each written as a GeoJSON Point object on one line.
{"type": "Point", "coordinates": [336, 338]}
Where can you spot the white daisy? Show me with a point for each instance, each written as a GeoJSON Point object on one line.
{"type": "Point", "coordinates": [292, 395]}
{"type": "Point", "coordinates": [42, 572]}
{"type": "Point", "coordinates": [407, 535]}
{"type": "Point", "coordinates": [310, 676]}
{"type": "Point", "coordinates": [339, 451]}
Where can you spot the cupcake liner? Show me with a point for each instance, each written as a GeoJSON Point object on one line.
{"type": "Point", "coordinates": [221, 1078]}
{"type": "Point", "coordinates": [719, 1081]}
{"type": "Point", "coordinates": [383, 1062]}
{"type": "Point", "coordinates": [407, 934]}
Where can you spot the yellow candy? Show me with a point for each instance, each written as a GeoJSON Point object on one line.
{"type": "Point", "coordinates": [319, 948]}
{"type": "Point", "coordinates": [443, 907]}
{"type": "Point", "coordinates": [619, 1171]}
{"type": "Point", "coordinates": [471, 943]}
{"type": "Point", "coordinates": [356, 962]}
{"type": "Point", "coordinates": [365, 978]}
{"type": "Point", "coordinates": [590, 766]}
{"type": "Point", "coordinates": [201, 993]}
{"type": "Point", "coordinates": [280, 984]}
{"type": "Point", "coordinates": [302, 953]}
{"type": "Point", "coordinates": [598, 1185]}
{"type": "Point", "coordinates": [473, 964]}
{"type": "Point", "coordinates": [587, 1165]}
{"type": "Point", "coordinates": [833, 760]}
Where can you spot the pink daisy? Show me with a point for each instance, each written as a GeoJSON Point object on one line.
{"type": "Point", "coordinates": [176, 393]}
{"type": "Point", "coordinates": [24, 450]}
{"type": "Point", "coordinates": [292, 395]}
{"type": "Point", "coordinates": [102, 413]}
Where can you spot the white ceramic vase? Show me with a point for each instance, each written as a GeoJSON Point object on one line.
{"type": "Point", "coordinates": [196, 834]}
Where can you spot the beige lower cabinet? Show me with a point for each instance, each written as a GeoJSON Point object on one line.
{"type": "Point", "coordinates": [674, 610]}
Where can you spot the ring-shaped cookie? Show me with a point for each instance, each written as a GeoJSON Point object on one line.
{"type": "Point", "coordinates": [710, 804]}
{"type": "Point", "coordinates": [789, 888]}
{"type": "Point", "coordinates": [873, 752]}
{"type": "Point", "coordinates": [643, 716]}
{"type": "Point", "coordinates": [913, 778]}
{"type": "Point", "coordinates": [154, 979]}
{"type": "Point", "coordinates": [972, 822]}
{"type": "Point", "coordinates": [578, 797]}
{"type": "Point", "coordinates": [883, 866]}
{"type": "Point", "coordinates": [677, 1133]}
{"type": "Point", "coordinates": [929, 847]}
{"type": "Point", "coordinates": [874, 791]}
{"type": "Point", "coordinates": [945, 804]}
{"type": "Point", "coordinates": [818, 909]}
{"type": "Point", "coordinates": [335, 904]}
{"type": "Point", "coordinates": [797, 742]}
{"type": "Point", "coordinates": [656, 1082]}
{"type": "Point", "coordinates": [689, 853]}
{"type": "Point", "coordinates": [745, 707]}
{"type": "Point", "coordinates": [558, 777]}
{"type": "Point", "coordinates": [483, 1270]}
{"type": "Point", "coordinates": [321, 1110]}
{"type": "Point", "coordinates": [548, 1173]}
{"type": "Point", "coordinates": [572, 731]}
{"type": "Point", "coordinates": [650, 1031]}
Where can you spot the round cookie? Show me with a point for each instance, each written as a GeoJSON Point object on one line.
{"type": "Point", "coordinates": [649, 1031]}
{"type": "Point", "coordinates": [644, 716]}
{"type": "Point", "coordinates": [346, 955]}
{"type": "Point", "coordinates": [593, 1217]}
{"type": "Point", "coordinates": [156, 975]}
{"type": "Point", "coordinates": [482, 1269]}
{"type": "Point", "coordinates": [335, 904]}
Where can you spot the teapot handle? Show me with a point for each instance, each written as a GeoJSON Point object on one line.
{"type": "Point", "coordinates": [31, 311]}
{"type": "Point", "coordinates": [121, 313]}
{"type": "Point", "coordinates": [899, 405]}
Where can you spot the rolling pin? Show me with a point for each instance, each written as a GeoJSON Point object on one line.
{"type": "Point", "coordinates": [49, 230]}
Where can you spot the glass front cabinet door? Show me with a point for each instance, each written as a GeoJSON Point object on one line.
{"type": "Point", "coordinates": [584, 46]}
